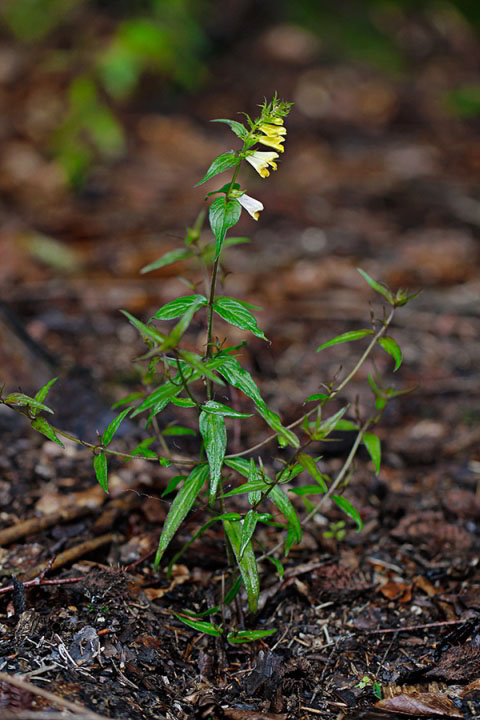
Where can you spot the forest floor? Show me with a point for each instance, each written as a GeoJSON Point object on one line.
{"type": "Point", "coordinates": [377, 176]}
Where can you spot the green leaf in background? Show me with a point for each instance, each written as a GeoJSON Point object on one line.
{"type": "Point", "coordinates": [346, 425]}
{"type": "Point", "coordinates": [377, 287]}
{"type": "Point", "coordinates": [201, 625]}
{"type": "Point", "coordinates": [223, 215]}
{"type": "Point", "coordinates": [392, 348]}
{"type": "Point", "coordinates": [235, 637]}
{"type": "Point", "coordinates": [220, 164]}
{"type": "Point", "coordinates": [309, 464]}
{"type": "Point", "coordinates": [278, 566]}
{"type": "Point", "coordinates": [109, 432]}
{"type": "Point", "coordinates": [126, 400]}
{"type": "Point", "coordinates": [143, 449]}
{"type": "Point", "coordinates": [177, 431]}
{"type": "Point", "coordinates": [42, 426]}
{"type": "Point", "coordinates": [380, 398]}
{"type": "Point", "coordinates": [238, 128]}
{"type": "Point", "coordinates": [247, 562]}
{"type": "Point", "coordinates": [183, 402]}
{"type": "Point", "coordinates": [323, 429]}
{"type": "Point", "coordinates": [248, 528]}
{"type": "Point", "coordinates": [214, 434]}
{"type": "Point", "coordinates": [372, 443]}
{"type": "Point", "coordinates": [217, 408]}
{"type": "Point", "coordinates": [43, 392]}
{"type": "Point", "coordinates": [347, 507]}
{"type": "Point", "coordinates": [345, 337]}
{"type": "Point", "coordinates": [203, 368]}
{"type": "Point", "coordinates": [172, 484]}
{"type": "Point", "coordinates": [180, 507]}
{"type": "Point", "coordinates": [178, 307]}
{"type": "Point", "coordinates": [168, 259]}
{"type": "Point", "coordinates": [146, 331]}
{"type": "Point", "coordinates": [281, 501]}
{"type": "Point", "coordinates": [21, 400]}
{"type": "Point", "coordinates": [253, 473]}
{"type": "Point", "coordinates": [159, 398]}
{"type": "Point", "coordinates": [317, 396]}
{"type": "Point", "coordinates": [237, 314]}
{"type": "Point", "coordinates": [183, 324]}
{"type": "Point", "coordinates": [101, 470]}
{"type": "Point", "coordinates": [308, 490]}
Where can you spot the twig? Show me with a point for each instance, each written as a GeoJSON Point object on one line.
{"type": "Point", "coordinates": [411, 628]}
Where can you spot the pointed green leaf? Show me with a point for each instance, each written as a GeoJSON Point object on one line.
{"type": "Point", "coordinates": [317, 396]}
{"type": "Point", "coordinates": [167, 259]}
{"type": "Point", "coordinates": [392, 348]}
{"type": "Point", "coordinates": [177, 431]}
{"type": "Point", "coordinates": [203, 368]}
{"type": "Point", "coordinates": [248, 528]}
{"type": "Point", "coordinates": [253, 474]}
{"type": "Point", "coordinates": [281, 501]}
{"type": "Point", "coordinates": [183, 324]}
{"type": "Point", "coordinates": [347, 425]}
{"type": "Point", "coordinates": [235, 637]}
{"type": "Point", "coordinates": [372, 443]}
{"type": "Point", "coordinates": [238, 128]}
{"type": "Point", "coordinates": [310, 466]}
{"type": "Point", "coordinates": [214, 434]}
{"type": "Point", "coordinates": [278, 566]}
{"type": "Point", "coordinates": [308, 490]}
{"type": "Point", "coordinates": [217, 408]}
{"type": "Point", "coordinates": [220, 164]}
{"type": "Point", "coordinates": [347, 507]}
{"type": "Point", "coordinates": [178, 307]}
{"type": "Point", "coordinates": [180, 507]}
{"type": "Point", "coordinates": [159, 398]}
{"type": "Point", "coordinates": [127, 400]}
{"type": "Point", "coordinates": [22, 400]}
{"type": "Point", "coordinates": [323, 429]}
{"type": "Point", "coordinates": [42, 426]}
{"type": "Point", "coordinates": [377, 287]}
{"type": "Point", "coordinates": [101, 470]}
{"type": "Point", "coordinates": [42, 394]}
{"type": "Point", "coordinates": [237, 314]}
{"type": "Point", "coordinates": [143, 449]}
{"type": "Point", "coordinates": [146, 331]}
{"type": "Point", "coordinates": [223, 215]}
{"type": "Point", "coordinates": [247, 562]}
{"type": "Point", "coordinates": [183, 402]}
{"type": "Point", "coordinates": [112, 428]}
{"type": "Point", "coordinates": [172, 484]}
{"type": "Point", "coordinates": [346, 337]}
{"type": "Point", "coordinates": [201, 625]}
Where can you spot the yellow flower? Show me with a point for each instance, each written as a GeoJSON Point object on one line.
{"type": "Point", "coordinates": [261, 162]}
{"type": "Point", "coordinates": [272, 130]}
{"type": "Point", "coordinates": [252, 206]}
{"type": "Point", "coordinates": [274, 142]}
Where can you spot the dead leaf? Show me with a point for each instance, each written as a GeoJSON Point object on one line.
{"type": "Point", "coordinates": [420, 704]}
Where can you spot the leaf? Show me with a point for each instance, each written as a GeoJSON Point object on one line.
{"type": "Point", "coordinates": [323, 429]}
{"type": "Point", "coordinates": [214, 434]}
{"type": "Point", "coordinates": [310, 466]}
{"type": "Point", "coordinates": [101, 469]}
{"type": "Point", "coordinates": [377, 287]}
{"type": "Point", "coordinates": [159, 398]}
{"type": "Point", "coordinates": [223, 215]}
{"type": "Point", "coordinates": [420, 704]}
{"type": "Point", "coordinates": [217, 408]}
{"type": "Point", "coordinates": [178, 307]}
{"type": "Point", "coordinates": [257, 482]}
{"type": "Point", "coordinates": [248, 528]}
{"type": "Point", "coordinates": [239, 378]}
{"type": "Point", "coordinates": [242, 636]}
{"type": "Point", "coordinates": [220, 164]}
{"type": "Point", "coordinates": [42, 426]}
{"type": "Point", "coordinates": [183, 324]}
{"type": "Point", "coordinates": [247, 562]}
{"type": "Point", "coordinates": [317, 396]}
{"type": "Point", "coordinates": [347, 507]}
{"type": "Point", "coordinates": [183, 402]}
{"type": "Point", "coordinates": [180, 507]}
{"type": "Point", "coordinates": [167, 259]}
{"type": "Point", "coordinates": [146, 331]}
{"type": "Point", "coordinates": [372, 443]}
{"type": "Point", "coordinates": [22, 400]}
{"type": "Point", "coordinates": [238, 128]}
{"type": "Point", "coordinates": [172, 484]}
{"type": "Point", "coordinates": [237, 314]}
{"type": "Point", "coordinates": [112, 428]}
{"type": "Point", "coordinates": [143, 448]}
{"type": "Point", "coordinates": [392, 348]}
{"type": "Point", "coordinates": [200, 625]}
{"type": "Point", "coordinates": [308, 490]}
{"type": "Point", "coordinates": [203, 368]}
{"type": "Point", "coordinates": [346, 425]}
{"type": "Point", "coordinates": [43, 392]}
{"type": "Point", "coordinates": [281, 501]}
{"type": "Point", "coordinates": [346, 337]}
{"type": "Point", "coordinates": [130, 398]}
{"type": "Point", "coordinates": [278, 566]}
{"type": "Point", "coordinates": [253, 473]}
{"type": "Point", "coordinates": [177, 431]}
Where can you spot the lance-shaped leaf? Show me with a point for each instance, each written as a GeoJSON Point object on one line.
{"type": "Point", "coordinates": [146, 331]}
{"type": "Point", "coordinates": [197, 363]}
{"type": "Point", "coordinates": [235, 637]}
{"type": "Point", "coordinates": [180, 507]}
{"type": "Point", "coordinates": [109, 432]}
{"type": "Point", "coordinates": [238, 128]}
{"type": "Point", "coordinates": [43, 426]}
{"type": "Point", "coordinates": [346, 337]}
{"type": "Point", "coordinates": [235, 313]}
{"type": "Point", "coordinates": [220, 164]}
{"type": "Point", "coordinates": [392, 348]}
{"type": "Point", "coordinates": [223, 215]}
{"type": "Point", "coordinates": [217, 408]}
{"type": "Point", "coordinates": [22, 400]}
{"type": "Point", "coordinates": [237, 376]}
{"type": "Point", "coordinates": [200, 625]}
{"type": "Point", "coordinates": [247, 562]}
{"type": "Point", "coordinates": [322, 429]}
{"type": "Point", "coordinates": [176, 308]}
{"type": "Point", "coordinates": [281, 501]}
{"type": "Point", "coordinates": [373, 445]}
{"type": "Point", "coordinates": [167, 259]}
{"type": "Point", "coordinates": [309, 464]}
{"type": "Point", "coordinates": [159, 398]}
{"type": "Point", "coordinates": [248, 528]}
{"type": "Point", "coordinates": [347, 507]}
{"type": "Point", "coordinates": [182, 325]}
{"type": "Point", "coordinates": [101, 470]}
{"type": "Point", "coordinates": [42, 394]}
{"type": "Point", "coordinates": [214, 434]}
{"type": "Point", "coordinates": [256, 480]}
{"type": "Point", "coordinates": [381, 289]}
